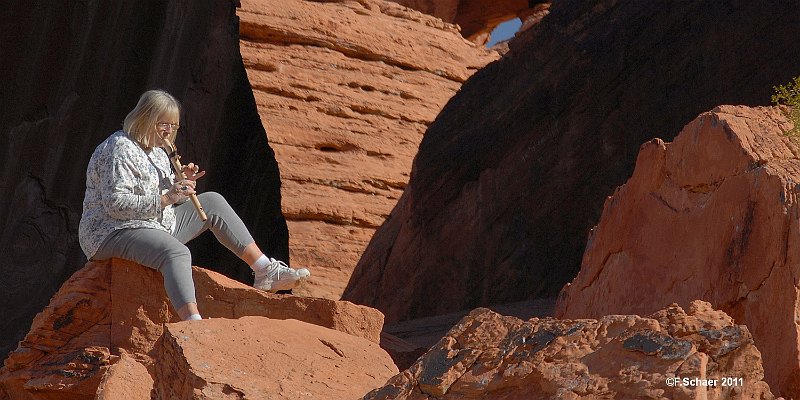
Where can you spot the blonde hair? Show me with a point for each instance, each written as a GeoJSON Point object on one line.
{"type": "Point", "coordinates": [141, 121]}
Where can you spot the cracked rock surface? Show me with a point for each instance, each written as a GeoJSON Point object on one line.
{"type": "Point", "coordinates": [489, 356]}
{"type": "Point", "coordinates": [712, 215]}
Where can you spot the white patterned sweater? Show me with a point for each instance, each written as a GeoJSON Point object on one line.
{"type": "Point", "coordinates": [123, 188]}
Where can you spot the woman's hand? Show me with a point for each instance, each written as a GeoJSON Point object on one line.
{"type": "Point", "coordinates": [178, 192]}
{"type": "Point", "coordinates": [190, 171]}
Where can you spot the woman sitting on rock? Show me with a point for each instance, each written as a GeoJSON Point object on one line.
{"type": "Point", "coordinates": [135, 209]}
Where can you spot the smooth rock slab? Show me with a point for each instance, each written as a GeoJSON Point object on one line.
{"type": "Point", "coordinates": [261, 358]}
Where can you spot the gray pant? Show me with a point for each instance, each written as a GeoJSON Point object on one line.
{"type": "Point", "coordinates": [167, 253]}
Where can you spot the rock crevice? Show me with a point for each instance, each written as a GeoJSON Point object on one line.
{"type": "Point", "coordinates": [346, 91]}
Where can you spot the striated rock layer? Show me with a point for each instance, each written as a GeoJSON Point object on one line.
{"type": "Point", "coordinates": [71, 72]}
{"type": "Point", "coordinates": [108, 311]}
{"type": "Point", "coordinates": [512, 175]}
{"type": "Point", "coordinates": [345, 90]}
{"type": "Point", "coordinates": [488, 356]}
{"type": "Point", "coordinates": [712, 216]}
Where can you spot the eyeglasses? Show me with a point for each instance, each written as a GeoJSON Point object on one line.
{"type": "Point", "coordinates": [165, 125]}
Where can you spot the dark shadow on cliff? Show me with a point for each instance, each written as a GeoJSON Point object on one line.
{"type": "Point", "coordinates": [513, 173]}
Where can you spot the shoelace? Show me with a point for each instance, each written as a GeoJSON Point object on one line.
{"type": "Point", "coordinates": [281, 268]}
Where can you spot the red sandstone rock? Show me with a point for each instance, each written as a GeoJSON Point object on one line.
{"type": "Point", "coordinates": [117, 307]}
{"type": "Point", "coordinates": [260, 358]}
{"type": "Point", "coordinates": [126, 379]}
{"type": "Point", "coordinates": [488, 356]}
{"type": "Point", "coordinates": [221, 297]}
{"type": "Point", "coordinates": [712, 216]}
{"type": "Point", "coordinates": [345, 90]}
{"type": "Point", "coordinates": [68, 349]}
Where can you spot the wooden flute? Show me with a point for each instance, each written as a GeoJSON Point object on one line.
{"type": "Point", "coordinates": [176, 163]}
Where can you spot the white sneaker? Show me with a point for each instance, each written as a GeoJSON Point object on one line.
{"type": "Point", "coordinates": [278, 276]}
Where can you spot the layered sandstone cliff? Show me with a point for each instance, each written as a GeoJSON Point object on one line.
{"type": "Point", "coordinates": [712, 215]}
{"type": "Point", "coordinates": [513, 173]}
{"type": "Point", "coordinates": [489, 356]}
{"type": "Point", "coordinates": [110, 332]}
{"type": "Point", "coordinates": [345, 90]}
{"type": "Point", "coordinates": [70, 72]}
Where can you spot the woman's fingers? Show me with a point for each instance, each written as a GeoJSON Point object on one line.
{"type": "Point", "coordinates": [188, 183]}
{"type": "Point", "coordinates": [192, 171]}
{"type": "Point", "coordinates": [191, 168]}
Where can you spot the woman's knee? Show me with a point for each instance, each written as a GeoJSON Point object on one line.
{"type": "Point", "coordinates": [177, 256]}
{"type": "Point", "coordinates": [216, 206]}
{"type": "Point", "coordinates": [177, 268]}
{"type": "Point", "coordinates": [213, 201]}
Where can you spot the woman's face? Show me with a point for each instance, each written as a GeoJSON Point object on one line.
{"type": "Point", "coordinates": [166, 127]}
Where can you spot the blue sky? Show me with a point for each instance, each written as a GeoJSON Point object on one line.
{"type": "Point", "coordinates": [504, 31]}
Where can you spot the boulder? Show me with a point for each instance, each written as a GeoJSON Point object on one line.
{"type": "Point", "coordinates": [261, 358]}
{"type": "Point", "coordinates": [127, 379]}
{"type": "Point", "coordinates": [712, 215]}
{"type": "Point", "coordinates": [116, 308]}
{"type": "Point", "coordinates": [614, 357]}
{"type": "Point", "coordinates": [346, 90]}
{"type": "Point", "coordinates": [512, 175]}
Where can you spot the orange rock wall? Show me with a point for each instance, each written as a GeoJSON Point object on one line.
{"type": "Point", "coordinates": [712, 215]}
{"type": "Point", "coordinates": [345, 91]}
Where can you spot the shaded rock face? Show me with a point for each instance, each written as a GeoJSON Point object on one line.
{"type": "Point", "coordinates": [712, 215]}
{"type": "Point", "coordinates": [512, 175]}
{"type": "Point", "coordinates": [345, 90]}
{"type": "Point", "coordinates": [620, 356]}
{"type": "Point", "coordinates": [112, 310]}
{"type": "Point", "coordinates": [477, 18]}
{"type": "Point", "coordinates": [71, 72]}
